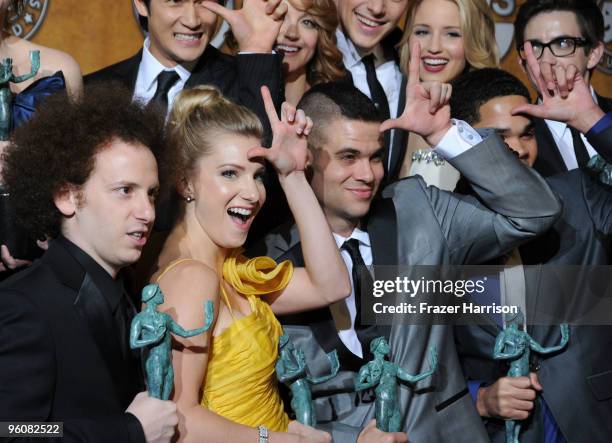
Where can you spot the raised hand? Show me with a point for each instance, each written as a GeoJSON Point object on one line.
{"type": "Point", "coordinates": [289, 150]}
{"type": "Point", "coordinates": [564, 93]}
{"type": "Point", "coordinates": [256, 25]}
{"type": "Point", "coordinates": [427, 111]}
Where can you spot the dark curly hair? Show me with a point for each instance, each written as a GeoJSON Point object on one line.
{"type": "Point", "coordinates": [56, 147]}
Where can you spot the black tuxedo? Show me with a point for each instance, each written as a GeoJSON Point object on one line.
{"type": "Point", "coordinates": [239, 78]}
{"type": "Point", "coordinates": [581, 375]}
{"type": "Point", "coordinates": [549, 161]}
{"type": "Point", "coordinates": [61, 355]}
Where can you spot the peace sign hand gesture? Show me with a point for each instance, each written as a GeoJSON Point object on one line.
{"type": "Point", "coordinates": [427, 111]}
{"type": "Point", "coordinates": [256, 25]}
{"type": "Point", "coordinates": [289, 150]}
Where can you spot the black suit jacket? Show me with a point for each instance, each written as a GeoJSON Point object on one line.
{"type": "Point", "coordinates": [239, 78]}
{"type": "Point", "coordinates": [549, 161]}
{"type": "Point", "coordinates": [60, 358]}
{"type": "Point", "coordinates": [581, 375]}
{"type": "Point", "coordinates": [583, 233]}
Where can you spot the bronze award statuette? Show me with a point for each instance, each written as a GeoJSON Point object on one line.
{"type": "Point", "coordinates": [291, 369]}
{"type": "Point", "coordinates": [153, 329]}
{"type": "Point", "coordinates": [384, 376]}
{"type": "Point", "coordinates": [515, 345]}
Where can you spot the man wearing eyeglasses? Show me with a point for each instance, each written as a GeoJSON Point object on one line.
{"type": "Point", "coordinates": [567, 40]}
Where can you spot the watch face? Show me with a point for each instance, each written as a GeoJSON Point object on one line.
{"type": "Point", "coordinates": [24, 24]}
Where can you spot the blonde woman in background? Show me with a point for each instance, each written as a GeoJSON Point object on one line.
{"type": "Point", "coordinates": [455, 36]}
{"type": "Point", "coordinates": [225, 384]}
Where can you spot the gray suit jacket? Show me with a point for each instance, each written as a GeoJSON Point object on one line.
{"type": "Point", "coordinates": [418, 225]}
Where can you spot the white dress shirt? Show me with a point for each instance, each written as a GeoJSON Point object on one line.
{"type": "Point", "coordinates": [387, 73]}
{"type": "Point", "coordinates": [344, 312]}
{"type": "Point", "coordinates": [459, 138]}
{"type": "Point", "coordinates": [146, 81]}
{"type": "Point", "coordinates": [562, 136]}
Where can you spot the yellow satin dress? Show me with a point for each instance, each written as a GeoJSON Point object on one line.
{"type": "Point", "coordinates": [240, 382]}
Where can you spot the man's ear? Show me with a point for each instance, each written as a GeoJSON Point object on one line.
{"type": "Point", "coordinates": [141, 7]}
{"type": "Point", "coordinates": [595, 55]}
{"type": "Point", "coordinates": [66, 200]}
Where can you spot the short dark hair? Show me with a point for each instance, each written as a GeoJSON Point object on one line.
{"type": "Point", "coordinates": [588, 14]}
{"type": "Point", "coordinates": [473, 89]}
{"type": "Point", "coordinates": [142, 20]}
{"type": "Point", "coordinates": [56, 148]}
{"type": "Point", "coordinates": [326, 102]}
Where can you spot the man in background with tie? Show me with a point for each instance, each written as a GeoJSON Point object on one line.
{"type": "Point", "coordinates": [367, 37]}
{"type": "Point", "coordinates": [176, 53]}
{"type": "Point", "coordinates": [414, 225]}
{"type": "Point", "coordinates": [86, 177]}
{"type": "Point", "coordinates": [581, 236]}
{"type": "Point", "coordinates": [567, 35]}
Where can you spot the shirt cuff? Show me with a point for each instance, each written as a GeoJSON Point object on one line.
{"type": "Point", "coordinates": [604, 123]}
{"type": "Point", "coordinates": [135, 431]}
{"type": "Point", "coordinates": [458, 139]}
{"type": "Point", "coordinates": [473, 387]}
{"type": "Point", "coordinates": [260, 53]}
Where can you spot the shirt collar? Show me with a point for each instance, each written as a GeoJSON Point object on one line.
{"type": "Point", "coordinates": [111, 289]}
{"type": "Point", "coordinates": [358, 234]}
{"type": "Point", "coordinates": [151, 67]}
{"type": "Point", "coordinates": [351, 54]}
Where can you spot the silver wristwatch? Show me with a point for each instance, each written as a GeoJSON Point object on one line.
{"type": "Point", "coordinates": [263, 434]}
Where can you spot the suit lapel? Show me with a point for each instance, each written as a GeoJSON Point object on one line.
{"type": "Point", "coordinates": [549, 161]}
{"type": "Point", "coordinates": [93, 308]}
{"type": "Point", "coordinates": [400, 139]}
{"type": "Point", "coordinates": [127, 72]}
{"type": "Point", "coordinates": [202, 72]}
{"type": "Point", "coordinates": [382, 229]}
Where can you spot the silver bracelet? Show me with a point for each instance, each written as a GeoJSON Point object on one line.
{"type": "Point", "coordinates": [263, 434]}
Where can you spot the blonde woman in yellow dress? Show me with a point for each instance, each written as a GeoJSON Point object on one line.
{"type": "Point", "coordinates": [225, 385]}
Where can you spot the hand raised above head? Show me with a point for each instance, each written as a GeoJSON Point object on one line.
{"type": "Point", "coordinates": [565, 95]}
{"type": "Point", "coordinates": [427, 111]}
{"type": "Point", "coordinates": [289, 150]}
{"type": "Point", "coordinates": [256, 25]}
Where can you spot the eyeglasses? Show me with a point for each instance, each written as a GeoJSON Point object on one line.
{"type": "Point", "coordinates": [560, 47]}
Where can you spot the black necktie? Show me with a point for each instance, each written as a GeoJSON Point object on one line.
{"type": "Point", "coordinates": [360, 274]}
{"type": "Point", "coordinates": [352, 247]}
{"type": "Point", "coordinates": [165, 81]}
{"type": "Point", "coordinates": [380, 100]}
{"type": "Point", "coordinates": [582, 155]}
